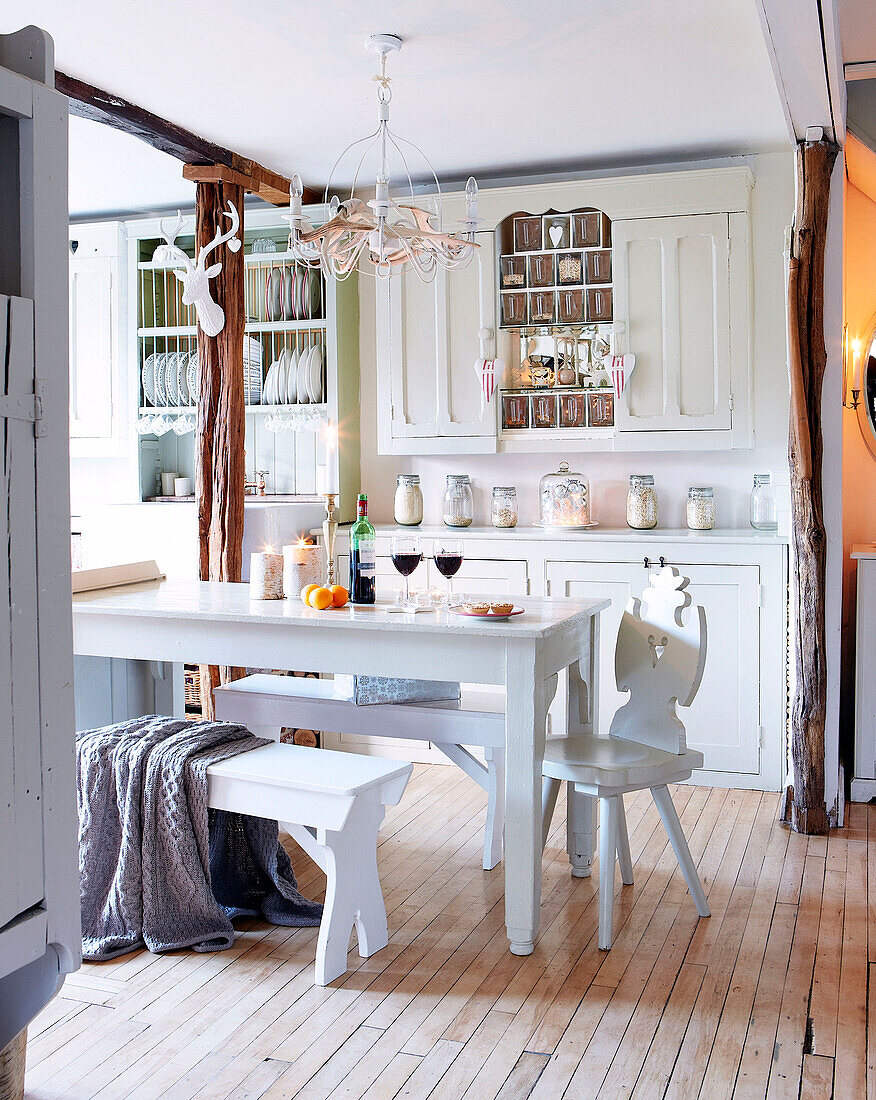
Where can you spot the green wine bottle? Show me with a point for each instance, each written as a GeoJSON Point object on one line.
{"type": "Point", "coordinates": [363, 555]}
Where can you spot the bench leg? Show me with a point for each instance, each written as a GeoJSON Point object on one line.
{"type": "Point", "coordinates": [579, 831]}
{"type": "Point", "coordinates": [353, 895]}
{"type": "Point", "coordinates": [623, 844]}
{"type": "Point", "coordinates": [494, 830]}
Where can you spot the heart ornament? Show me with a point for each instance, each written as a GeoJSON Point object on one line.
{"type": "Point", "coordinates": [657, 648]}
{"type": "Point", "coordinates": [556, 235]}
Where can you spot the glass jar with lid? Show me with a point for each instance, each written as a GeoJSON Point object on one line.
{"type": "Point", "coordinates": [564, 499]}
{"type": "Point", "coordinates": [642, 503]}
{"type": "Point", "coordinates": [458, 501]}
{"type": "Point", "coordinates": [701, 508]}
{"type": "Point", "coordinates": [408, 504]}
{"type": "Point", "coordinates": [503, 510]}
{"type": "Point", "coordinates": [762, 504]}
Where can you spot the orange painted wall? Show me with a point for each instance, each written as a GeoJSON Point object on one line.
{"type": "Point", "coordinates": [859, 465]}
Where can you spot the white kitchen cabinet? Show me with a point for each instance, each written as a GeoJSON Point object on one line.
{"type": "Point", "coordinates": [672, 293]}
{"type": "Point", "coordinates": [864, 783]}
{"type": "Point", "coordinates": [100, 424]}
{"type": "Point", "coordinates": [429, 395]}
{"type": "Point", "coordinates": [724, 721]}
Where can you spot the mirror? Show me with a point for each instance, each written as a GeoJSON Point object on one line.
{"type": "Point", "coordinates": [867, 397]}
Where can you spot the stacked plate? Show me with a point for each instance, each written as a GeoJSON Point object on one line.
{"type": "Point", "coordinates": [292, 293]}
{"type": "Point", "coordinates": [170, 379]}
{"type": "Point", "coordinates": [295, 378]}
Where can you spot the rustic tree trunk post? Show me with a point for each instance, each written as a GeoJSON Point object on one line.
{"type": "Point", "coordinates": [12, 1067]}
{"type": "Point", "coordinates": [220, 475]}
{"type": "Point", "coordinates": [808, 358]}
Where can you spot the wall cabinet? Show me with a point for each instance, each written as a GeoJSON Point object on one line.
{"type": "Point", "coordinates": [864, 783]}
{"type": "Point", "coordinates": [681, 263]}
{"type": "Point", "coordinates": [99, 420]}
{"type": "Point", "coordinates": [429, 396]}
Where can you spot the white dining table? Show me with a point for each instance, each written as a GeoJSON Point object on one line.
{"type": "Point", "coordinates": [207, 622]}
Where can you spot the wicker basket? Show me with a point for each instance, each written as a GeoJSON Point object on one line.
{"type": "Point", "coordinates": [193, 688]}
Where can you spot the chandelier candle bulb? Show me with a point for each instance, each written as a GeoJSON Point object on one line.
{"type": "Point", "coordinates": [302, 565]}
{"type": "Point", "coordinates": [266, 576]}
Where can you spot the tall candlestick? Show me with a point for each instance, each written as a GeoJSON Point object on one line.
{"type": "Point", "coordinates": [329, 530]}
{"type": "Point", "coordinates": [266, 576]}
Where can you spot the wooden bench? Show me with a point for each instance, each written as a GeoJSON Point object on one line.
{"type": "Point", "coordinates": [332, 803]}
{"type": "Point", "coordinates": [265, 704]}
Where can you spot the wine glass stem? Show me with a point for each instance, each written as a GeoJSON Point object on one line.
{"type": "Point", "coordinates": [449, 591]}
{"type": "Point", "coordinates": [407, 594]}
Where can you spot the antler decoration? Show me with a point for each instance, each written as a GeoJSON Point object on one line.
{"type": "Point", "coordinates": [196, 277]}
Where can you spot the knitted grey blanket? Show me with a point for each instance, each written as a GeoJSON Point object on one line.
{"type": "Point", "coordinates": [150, 870]}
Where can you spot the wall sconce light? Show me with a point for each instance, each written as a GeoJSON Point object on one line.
{"type": "Point", "coordinates": [852, 360]}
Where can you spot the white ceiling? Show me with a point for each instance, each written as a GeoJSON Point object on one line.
{"type": "Point", "coordinates": [494, 87]}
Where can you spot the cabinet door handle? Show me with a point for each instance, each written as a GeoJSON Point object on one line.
{"type": "Point", "coordinates": [647, 562]}
{"type": "Point", "coordinates": [662, 561]}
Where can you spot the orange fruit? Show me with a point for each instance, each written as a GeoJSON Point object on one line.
{"type": "Point", "coordinates": [305, 592]}
{"type": "Point", "coordinates": [339, 595]}
{"type": "Point", "coordinates": [320, 598]}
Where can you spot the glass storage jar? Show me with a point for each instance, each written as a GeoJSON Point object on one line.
{"type": "Point", "coordinates": [408, 505]}
{"type": "Point", "coordinates": [458, 501]}
{"type": "Point", "coordinates": [503, 510]}
{"type": "Point", "coordinates": [564, 499]}
{"type": "Point", "coordinates": [701, 508]}
{"type": "Point", "coordinates": [641, 503]}
{"type": "Point", "coordinates": [762, 504]}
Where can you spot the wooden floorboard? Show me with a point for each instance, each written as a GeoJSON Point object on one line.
{"type": "Point", "coordinates": [769, 997]}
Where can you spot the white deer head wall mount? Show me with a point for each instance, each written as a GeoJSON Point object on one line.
{"type": "Point", "coordinates": [195, 276]}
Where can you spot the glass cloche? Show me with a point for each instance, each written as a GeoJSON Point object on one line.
{"type": "Point", "coordinates": [564, 499]}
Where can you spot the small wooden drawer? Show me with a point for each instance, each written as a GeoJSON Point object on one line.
{"type": "Point", "coordinates": [513, 272]}
{"type": "Point", "coordinates": [543, 410]}
{"type": "Point", "coordinates": [515, 410]}
{"type": "Point", "coordinates": [591, 229]}
{"type": "Point", "coordinates": [514, 311]}
{"type": "Point", "coordinates": [573, 410]}
{"type": "Point", "coordinates": [598, 303]}
{"type": "Point", "coordinates": [600, 409]}
{"type": "Point", "coordinates": [597, 266]}
{"type": "Point", "coordinates": [541, 269]}
{"type": "Point", "coordinates": [570, 306]}
{"type": "Point", "coordinates": [527, 234]}
{"type": "Point", "coordinates": [542, 306]}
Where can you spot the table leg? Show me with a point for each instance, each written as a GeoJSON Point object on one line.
{"type": "Point", "coordinates": [529, 695]}
{"type": "Point", "coordinates": [582, 718]}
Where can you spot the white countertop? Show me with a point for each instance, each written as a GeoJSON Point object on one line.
{"type": "Point", "coordinates": [744, 535]}
{"type": "Point", "coordinates": [215, 601]}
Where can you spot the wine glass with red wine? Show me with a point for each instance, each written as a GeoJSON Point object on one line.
{"type": "Point", "coordinates": [407, 553]}
{"type": "Point", "coordinates": [447, 554]}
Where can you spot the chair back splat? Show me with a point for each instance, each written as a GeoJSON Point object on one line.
{"type": "Point", "coordinates": [659, 660]}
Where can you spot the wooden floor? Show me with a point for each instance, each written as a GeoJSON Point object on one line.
{"type": "Point", "coordinates": [767, 998]}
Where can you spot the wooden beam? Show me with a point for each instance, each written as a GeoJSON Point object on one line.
{"type": "Point", "coordinates": [219, 478]}
{"type": "Point", "coordinates": [267, 185]}
{"type": "Point", "coordinates": [87, 101]}
{"type": "Point", "coordinates": [815, 159]}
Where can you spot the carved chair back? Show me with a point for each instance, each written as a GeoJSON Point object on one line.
{"type": "Point", "coordinates": [659, 660]}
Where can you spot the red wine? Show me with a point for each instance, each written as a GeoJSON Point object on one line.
{"type": "Point", "coordinates": [363, 556]}
{"type": "Point", "coordinates": [406, 563]}
{"type": "Point", "coordinates": [448, 564]}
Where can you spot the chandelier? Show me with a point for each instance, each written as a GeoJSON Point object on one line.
{"type": "Point", "coordinates": [382, 236]}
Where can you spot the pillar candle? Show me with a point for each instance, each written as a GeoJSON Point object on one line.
{"type": "Point", "coordinates": [302, 564]}
{"type": "Point", "coordinates": [266, 576]}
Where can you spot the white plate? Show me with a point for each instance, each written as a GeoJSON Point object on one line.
{"type": "Point", "coordinates": [171, 379]}
{"type": "Point", "coordinates": [314, 294]}
{"type": "Point", "coordinates": [181, 386]}
{"type": "Point", "coordinates": [192, 377]}
{"type": "Point", "coordinates": [314, 374]}
{"type": "Point", "coordinates": [148, 376]}
{"type": "Point", "coordinates": [277, 294]}
{"type": "Point", "coordinates": [269, 384]}
{"type": "Point", "coordinates": [287, 294]}
{"type": "Point", "coordinates": [292, 378]}
{"type": "Point", "coordinates": [160, 394]}
{"type": "Point", "coordinates": [303, 392]}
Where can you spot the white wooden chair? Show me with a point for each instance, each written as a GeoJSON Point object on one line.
{"type": "Point", "coordinates": [332, 803]}
{"type": "Point", "coordinates": [659, 659]}
{"type": "Point", "coordinates": [265, 704]}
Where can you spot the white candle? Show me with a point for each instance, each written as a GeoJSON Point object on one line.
{"type": "Point", "coordinates": [857, 364]}
{"type": "Point", "coordinates": [302, 565]}
{"type": "Point", "coordinates": [330, 480]}
{"type": "Point", "coordinates": [266, 576]}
